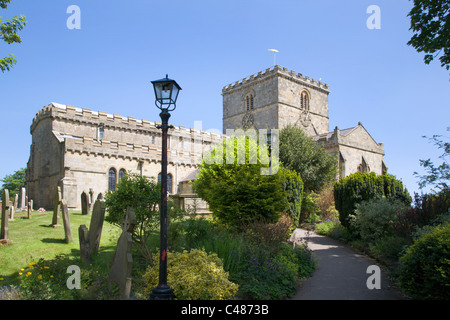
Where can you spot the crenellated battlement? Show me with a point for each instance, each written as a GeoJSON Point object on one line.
{"type": "Point", "coordinates": [88, 117]}
{"type": "Point", "coordinates": [277, 70]}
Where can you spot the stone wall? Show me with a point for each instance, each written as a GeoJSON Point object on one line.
{"type": "Point", "coordinates": [68, 150]}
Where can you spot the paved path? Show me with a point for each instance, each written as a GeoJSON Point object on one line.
{"type": "Point", "coordinates": [341, 273]}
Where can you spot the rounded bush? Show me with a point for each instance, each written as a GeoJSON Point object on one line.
{"type": "Point", "coordinates": [193, 275]}
{"type": "Point", "coordinates": [375, 218]}
{"type": "Point", "coordinates": [424, 271]}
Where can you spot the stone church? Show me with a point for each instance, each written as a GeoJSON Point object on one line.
{"type": "Point", "coordinates": [80, 149]}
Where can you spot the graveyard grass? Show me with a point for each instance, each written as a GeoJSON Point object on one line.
{"type": "Point", "coordinates": [35, 238]}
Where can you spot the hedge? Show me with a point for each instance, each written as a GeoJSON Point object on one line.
{"type": "Point", "coordinates": [359, 187]}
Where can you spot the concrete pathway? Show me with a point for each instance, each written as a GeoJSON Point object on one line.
{"type": "Point", "coordinates": [341, 273]}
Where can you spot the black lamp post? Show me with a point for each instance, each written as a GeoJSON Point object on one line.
{"type": "Point", "coordinates": [166, 92]}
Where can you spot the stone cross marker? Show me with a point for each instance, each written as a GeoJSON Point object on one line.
{"type": "Point", "coordinates": [57, 208]}
{"type": "Point", "coordinates": [90, 238]}
{"type": "Point", "coordinates": [120, 272]}
{"type": "Point", "coordinates": [66, 221]}
{"type": "Point", "coordinates": [4, 231]}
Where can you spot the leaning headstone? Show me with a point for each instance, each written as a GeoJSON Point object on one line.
{"type": "Point", "coordinates": [85, 246]}
{"type": "Point", "coordinates": [84, 203]}
{"type": "Point", "coordinates": [96, 226]}
{"type": "Point", "coordinates": [90, 238]}
{"type": "Point", "coordinates": [57, 208]}
{"type": "Point", "coordinates": [4, 229]}
{"type": "Point", "coordinates": [66, 221]}
{"type": "Point", "coordinates": [120, 272]}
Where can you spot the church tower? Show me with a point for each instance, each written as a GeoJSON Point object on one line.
{"type": "Point", "coordinates": [274, 99]}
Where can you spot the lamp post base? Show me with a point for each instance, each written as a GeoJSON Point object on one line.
{"type": "Point", "coordinates": [162, 292]}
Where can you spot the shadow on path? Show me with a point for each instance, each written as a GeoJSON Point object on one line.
{"type": "Point", "coordinates": [341, 274]}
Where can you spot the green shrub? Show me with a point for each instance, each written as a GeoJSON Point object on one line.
{"type": "Point", "coordinates": [270, 234]}
{"type": "Point", "coordinates": [293, 185]}
{"type": "Point", "coordinates": [265, 274]}
{"type": "Point", "coordinates": [193, 275]}
{"type": "Point", "coordinates": [375, 218]}
{"type": "Point", "coordinates": [391, 246]}
{"type": "Point", "coordinates": [200, 233]}
{"type": "Point", "coordinates": [359, 187]}
{"type": "Point", "coordinates": [424, 270]}
{"type": "Point", "coordinates": [237, 192]}
{"type": "Point", "coordinates": [143, 195]}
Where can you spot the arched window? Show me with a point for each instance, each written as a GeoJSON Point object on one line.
{"type": "Point", "coordinates": [122, 173]}
{"type": "Point", "coordinates": [363, 167]}
{"type": "Point", "coordinates": [112, 179]}
{"type": "Point", "coordinates": [304, 100]}
{"type": "Point", "coordinates": [169, 182]}
{"type": "Point", "coordinates": [249, 101]}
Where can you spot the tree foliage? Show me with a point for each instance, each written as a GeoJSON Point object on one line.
{"type": "Point", "coordinates": [437, 176]}
{"type": "Point", "coordinates": [143, 195]}
{"type": "Point", "coordinates": [302, 154]}
{"type": "Point", "coordinates": [237, 193]}
{"type": "Point", "coordinates": [13, 182]}
{"type": "Point", "coordinates": [9, 33]}
{"type": "Point", "coordinates": [293, 185]}
{"type": "Point", "coordinates": [430, 21]}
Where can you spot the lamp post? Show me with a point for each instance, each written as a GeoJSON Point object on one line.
{"type": "Point", "coordinates": [166, 92]}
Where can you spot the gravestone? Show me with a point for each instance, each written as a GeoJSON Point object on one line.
{"type": "Point", "coordinates": [12, 210]}
{"type": "Point", "coordinates": [22, 198]}
{"type": "Point", "coordinates": [120, 272]}
{"type": "Point", "coordinates": [90, 238]}
{"type": "Point", "coordinates": [4, 231]}
{"type": "Point", "coordinates": [57, 208]}
{"type": "Point", "coordinates": [85, 204]}
{"type": "Point", "coordinates": [91, 198]}
{"type": "Point", "coordinates": [16, 200]}
{"type": "Point", "coordinates": [96, 226]}
{"type": "Point", "coordinates": [66, 221]}
{"type": "Point", "coordinates": [29, 208]}
{"type": "Point", "coordinates": [85, 246]}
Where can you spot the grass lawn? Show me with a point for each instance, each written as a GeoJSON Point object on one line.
{"type": "Point", "coordinates": [35, 238]}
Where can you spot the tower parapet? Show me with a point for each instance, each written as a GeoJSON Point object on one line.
{"type": "Point", "coordinates": [277, 70]}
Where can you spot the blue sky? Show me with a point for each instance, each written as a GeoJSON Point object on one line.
{"type": "Point", "coordinates": [107, 65]}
